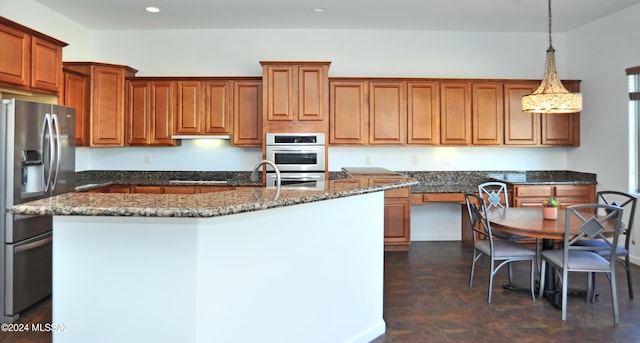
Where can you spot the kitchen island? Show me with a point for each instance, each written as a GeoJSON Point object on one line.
{"type": "Point", "coordinates": [233, 266]}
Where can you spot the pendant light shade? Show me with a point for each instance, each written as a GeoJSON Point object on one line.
{"type": "Point", "coordinates": [551, 96]}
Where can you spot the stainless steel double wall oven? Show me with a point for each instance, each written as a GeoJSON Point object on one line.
{"type": "Point", "coordinates": [300, 157]}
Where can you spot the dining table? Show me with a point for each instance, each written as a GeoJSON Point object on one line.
{"type": "Point", "coordinates": [528, 221]}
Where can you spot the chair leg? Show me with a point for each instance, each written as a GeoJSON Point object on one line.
{"type": "Point", "coordinates": [542, 275]}
{"type": "Point", "coordinates": [565, 282]}
{"type": "Point", "coordinates": [590, 287]}
{"type": "Point", "coordinates": [533, 295]}
{"type": "Point", "coordinates": [473, 267]}
{"type": "Point", "coordinates": [629, 282]}
{"type": "Point", "coordinates": [614, 297]}
{"type": "Point", "coordinates": [491, 281]}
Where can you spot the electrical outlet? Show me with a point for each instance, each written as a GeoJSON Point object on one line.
{"type": "Point", "coordinates": [368, 160]}
{"type": "Point", "coordinates": [414, 159]}
{"type": "Point", "coordinates": [146, 159]}
{"type": "Point", "coordinates": [446, 161]}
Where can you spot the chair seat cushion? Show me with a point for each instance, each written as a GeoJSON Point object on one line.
{"type": "Point", "coordinates": [598, 243]}
{"type": "Point", "coordinates": [578, 260]}
{"type": "Point", "coordinates": [504, 248]}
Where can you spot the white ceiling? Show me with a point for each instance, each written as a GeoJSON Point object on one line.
{"type": "Point", "coordinates": [447, 15]}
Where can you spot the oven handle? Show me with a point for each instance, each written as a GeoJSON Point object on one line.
{"type": "Point", "coordinates": [32, 245]}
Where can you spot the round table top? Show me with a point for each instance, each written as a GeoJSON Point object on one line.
{"type": "Point", "coordinates": [528, 221]}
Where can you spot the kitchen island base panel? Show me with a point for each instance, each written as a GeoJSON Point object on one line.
{"type": "Point", "coordinates": [305, 273]}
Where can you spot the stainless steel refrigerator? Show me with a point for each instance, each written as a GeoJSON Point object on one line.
{"type": "Point", "coordinates": [37, 158]}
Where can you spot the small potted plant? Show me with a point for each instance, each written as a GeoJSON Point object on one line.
{"type": "Point", "coordinates": [550, 208]}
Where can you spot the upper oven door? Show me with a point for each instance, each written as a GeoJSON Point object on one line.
{"type": "Point", "coordinates": [297, 158]}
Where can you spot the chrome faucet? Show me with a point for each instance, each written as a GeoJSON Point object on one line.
{"type": "Point", "coordinates": [254, 175]}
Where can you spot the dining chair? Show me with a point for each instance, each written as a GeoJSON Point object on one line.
{"type": "Point", "coordinates": [628, 203]}
{"type": "Point", "coordinates": [495, 194]}
{"type": "Point", "coordinates": [579, 258]}
{"type": "Point", "coordinates": [499, 250]}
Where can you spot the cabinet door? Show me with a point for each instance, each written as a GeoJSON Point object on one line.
{"type": "Point", "coordinates": [387, 113]}
{"type": "Point", "coordinates": [562, 129]}
{"type": "Point", "coordinates": [520, 128]}
{"type": "Point", "coordinates": [162, 113]}
{"type": "Point", "coordinates": [280, 100]}
{"type": "Point", "coordinates": [46, 65]}
{"type": "Point", "coordinates": [487, 113]}
{"type": "Point", "coordinates": [180, 190]}
{"type": "Point", "coordinates": [189, 105]}
{"type": "Point", "coordinates": [455, 113]}
{"type": "Point", "coordinates": [138, 108]}
{"type": "Point", "coordinates": [247, 113]}
{"type": "Point", "coordinates": [15, 56]}
{"type": "Point", "coordinates": [348, 115]}
{"type": "Point", "coordinates": [148, 189]}
{"type": "Point", "coordinates": [312, 93]}
{"type": "Point", "coordinates": [107, 119]}
{"type": "Point", "coordinates": [216, 107]}
{"type": "Point", "coordinates": [397, 214]}
{"type": "Point", "coordinates": [423, 113]}
{"type": "Point", "coordinates": [76, 95]}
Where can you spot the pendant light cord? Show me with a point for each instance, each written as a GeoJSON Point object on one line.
{"type": "Point", "coordinates": [550, 24]}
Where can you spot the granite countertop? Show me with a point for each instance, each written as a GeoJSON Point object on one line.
{"type": "Point", "coordinates": [200, 205]}
{"type": "Point", "coordinates": [468, 181]}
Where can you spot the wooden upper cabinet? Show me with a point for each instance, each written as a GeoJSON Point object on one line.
{"type": "Point", "coordinates": [150, 113]}
{"type": "Point", "coordinates": [280, 92]}
{"type": "Point", "coordinates": [387, 113]}
{"type": "Point", "coordinates": [106, 101]}
{"type": "Point", "coordinates": [487, 113]}
{"type": "Point", "coordinates": [189, 106]}
{"type": "Point", "coordinates": [46, 65]}
{"type": "Point", "coordinates": [523, 128]}
{"type": "Point", "coordinates": [312, 92]}
{"type": "Point", "coordinates": [423, 112]}
{"type": "Point", "coordinates": [203, 107]}
{"type": "Point", "coordinates": [247, 113]}
{"type": "Point", "coordinates": [349, 113]}
{"type": "Point", "coordinates": [455, 113]}
{"type": "Point", "coordinates": [107, 111]}
{"type": "Point", "coordinates": [295, 96]}
{"type": "Point", "coordinates": [76, 95]}
{"type": "Point", "coordinates": [217, 102]}
{"type": "Point", "coordinates": [562, 129]}
{"type": "Point", "coordinates": [520, 128]}
{"type": "Point", "coordinates": [30, 60]}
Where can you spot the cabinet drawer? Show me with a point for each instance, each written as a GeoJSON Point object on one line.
{"type": "Point", "coordinates": [397, 193]}
{"type": "Point", "coordinates": [533, 191]}
{"type": "Point", "coordinates": [443, 197]}
{"type": "Point", "coordinates": [574, 191]}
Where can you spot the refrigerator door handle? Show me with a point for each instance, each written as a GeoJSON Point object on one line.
{"type": "Point", "coordinates": [47, 137]}
{"type": "Point", "coordinates": [58, 149]}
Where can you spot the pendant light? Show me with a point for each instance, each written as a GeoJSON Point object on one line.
{"type": "Point", "coordinates": [551, 96]}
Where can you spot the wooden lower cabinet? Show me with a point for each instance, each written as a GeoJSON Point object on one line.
{"type": "Point", "coordinates": [397, 219]}
{"type": "Point", "coordinates": [532, 195]}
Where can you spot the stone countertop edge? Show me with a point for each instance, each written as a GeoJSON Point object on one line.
{"type": "Point", "coordinates": [197, 205]}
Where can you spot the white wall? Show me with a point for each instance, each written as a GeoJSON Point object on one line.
{"type": "Point", "coordinates": [599, 53]}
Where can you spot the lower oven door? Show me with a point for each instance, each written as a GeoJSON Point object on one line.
{"type": "Point", "coordinates": [28, 273]}
{"type": "Point", "coordinates": [297, 158]}
{"type": "Point", "coordinates": [312, 181]}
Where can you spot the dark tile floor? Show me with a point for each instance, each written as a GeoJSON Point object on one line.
{"type": "Point", "coordinates": [427, 299]}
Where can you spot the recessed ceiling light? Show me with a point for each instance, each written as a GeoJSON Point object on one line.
{"type": "Point", "coordinates": [152, 9]}
{"type": "Point", "coordinates": [320, 9]}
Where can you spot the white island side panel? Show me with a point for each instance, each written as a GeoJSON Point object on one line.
{"type": "Point", "coordinates": [311, 272]}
